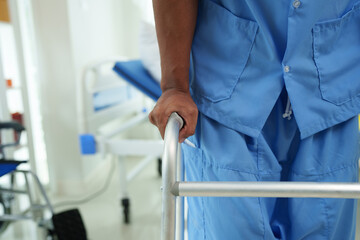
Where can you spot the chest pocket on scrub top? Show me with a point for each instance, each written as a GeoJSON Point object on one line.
{"type": "Point", "coordinates": [221, 48]}
{"type": "Point", "coordinates": [337, 56]}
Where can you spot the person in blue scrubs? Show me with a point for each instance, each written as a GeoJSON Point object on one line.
{"type": "Point", "coordinates": [273, 95]}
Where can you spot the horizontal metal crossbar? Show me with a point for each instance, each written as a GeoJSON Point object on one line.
{"type": "Point", "coordinates": [267, 189]}
{"type": "Point", "coordinates": [11, 218]}
{"type": "Point", "coordinates": [13, 190]}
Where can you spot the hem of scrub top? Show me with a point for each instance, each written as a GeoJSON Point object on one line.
{"type": "Point", "coordinates": [346, 112]}
{"type": "Point", "coordinates": [235, 125]}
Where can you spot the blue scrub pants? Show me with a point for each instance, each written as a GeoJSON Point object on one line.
{"type": "Point", "coordinates": [278, 154]}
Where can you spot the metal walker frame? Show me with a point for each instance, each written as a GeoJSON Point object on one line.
{"type": "Point", "coordinates": [174, 188]}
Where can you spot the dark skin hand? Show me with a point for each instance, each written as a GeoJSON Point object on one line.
{"type": "Point", "coordinates": [174, 100]}
{"type": "Point", "coordinates": [175, 25]}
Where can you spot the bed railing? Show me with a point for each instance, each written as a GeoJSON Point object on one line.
{"type": "Point", "coordinates": [174, 188]}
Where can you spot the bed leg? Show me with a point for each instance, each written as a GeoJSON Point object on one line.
{"type": "Point", "coordinates": [125, 202]}
{"type": "Point", "coordinates": [124, 196]}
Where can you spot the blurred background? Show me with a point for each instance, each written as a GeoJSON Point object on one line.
{"type": "Point", "coordinates": [86, 137]}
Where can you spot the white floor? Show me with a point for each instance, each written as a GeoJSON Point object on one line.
{"type": "Point", "coordinates": [104, 218]}
{"type": "Point", "coordinates": [103, 215]}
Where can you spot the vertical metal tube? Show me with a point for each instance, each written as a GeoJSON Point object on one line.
{"type": "Point", "coordinates": [28, 190]}
{"type": "Point", "coordinates": [169, 176]}
{"type": "Point", "coordinates": [43, 192]}
{"type": "Point", "coordinates": [179, 221]}
{"type": "Point", "coordinates": [122, 177]}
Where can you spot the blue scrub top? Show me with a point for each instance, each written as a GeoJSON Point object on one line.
{"type": "Point", "coordinates": [245, 51]}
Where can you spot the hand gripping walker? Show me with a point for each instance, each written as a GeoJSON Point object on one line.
{"type": "Point", "coordinates": [174, 188]}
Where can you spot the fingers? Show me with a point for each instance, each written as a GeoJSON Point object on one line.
{"type": "Point", "coordinates": [158, 120]}
{"type": "Point", "coordinates": [162, 126]}
{"type": "Point", "coordinates": [152, 118]}
{"type": "Point", "coordinates": [175, 101]}
{"type": "Point", "coordinates": [183, 135]}
{"type": "Point", "coordinates": [189, 126]}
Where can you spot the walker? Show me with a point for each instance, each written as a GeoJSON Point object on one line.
{"type": "Point", "coordinates": [174, 188]}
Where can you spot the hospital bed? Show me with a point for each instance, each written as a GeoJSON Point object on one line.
{"type": "Point", "coordinates": [62, 226]}
{"type": "Point", "coordinates": [174, 188]}
{"type": "Point", "coordinates": [110, 109]}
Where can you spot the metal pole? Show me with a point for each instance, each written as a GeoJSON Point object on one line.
{"type": "Point", "coordinates": [169, 176]}
{"type": "Point", "coordinates": [12, 191]}
{"type": "Point", "coordinates": [267, 189]}
{"type": "Point", "coordinates": [122, 178]}
{"type": "Point", "coordinates": [13, 218]}
{"type": "Point", "coordinates": [28, 190]}
{"type": "Point", "coordinates": [43, 192]}
{"type": "Point", "coordinates": [179, 221]}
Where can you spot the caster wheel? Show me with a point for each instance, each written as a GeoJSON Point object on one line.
{"type": "Point", "coordinates": [69, 225]}
{"type": "Point", "coordinates": [160, 166]}
{"type": "Point", "coordinates": [125, 202]}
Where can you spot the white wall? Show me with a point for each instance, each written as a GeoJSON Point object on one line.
{"type": "Point", "coordinates": [71, 34]}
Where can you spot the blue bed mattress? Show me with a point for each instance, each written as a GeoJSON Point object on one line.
{"type": "Point", "coordinates": [135, 73]}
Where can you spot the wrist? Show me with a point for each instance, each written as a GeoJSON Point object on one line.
{"type": "Point", "coordinates": [178, 84]}
{"type": "Point", "coordinates": [175, 91]}
{"type": "Point", "coordinates": [175, 77]}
